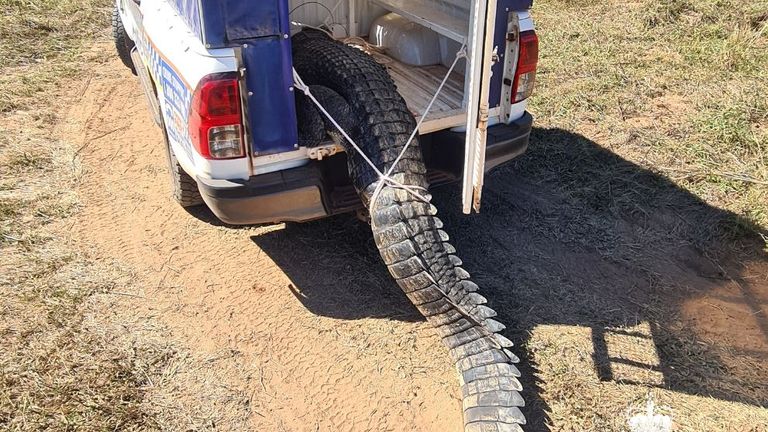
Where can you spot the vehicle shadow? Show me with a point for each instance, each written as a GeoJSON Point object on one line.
{"type": "Point", "coordinates": [572, 235]}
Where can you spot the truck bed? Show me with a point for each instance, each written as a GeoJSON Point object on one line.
{"type": "Point", "coordinates": [418, 84]}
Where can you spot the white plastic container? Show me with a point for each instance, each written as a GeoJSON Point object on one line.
{"type": "Point", "coordinates": [406, 41]}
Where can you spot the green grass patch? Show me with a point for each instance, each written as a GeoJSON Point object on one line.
{"type": "Point", "coordinates": [676, 86]}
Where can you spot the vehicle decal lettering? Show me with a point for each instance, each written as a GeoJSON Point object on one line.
{"type": "Point", "coordinates": [175, 92]}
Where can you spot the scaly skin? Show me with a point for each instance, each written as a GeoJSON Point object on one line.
{"type": "Point", "coordinates": [360, 94]}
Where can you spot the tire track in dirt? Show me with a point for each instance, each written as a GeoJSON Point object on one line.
{"type": "Point", "coordinates": [219, 292]}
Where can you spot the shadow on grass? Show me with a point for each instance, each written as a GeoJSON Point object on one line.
{"type": "Point", "coordinates": [573, 235]}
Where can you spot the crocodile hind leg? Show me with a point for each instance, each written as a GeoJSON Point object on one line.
{"type": "Point", "coordinates": [359, 94]}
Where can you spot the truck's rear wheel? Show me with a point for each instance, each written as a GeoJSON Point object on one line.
{"type": "Point", "coordinates": [123, 43]}
{"type": "Point", "coordinates": [183, 187]}
{"type": "Point", "coordinates": [359, 94]}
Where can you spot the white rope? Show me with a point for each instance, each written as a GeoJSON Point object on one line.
{"type": "Point", "coordinates": [374, 51]}
{"type": "Point", "coordinates": [299, 84]}
{"type": "Point", "coordinates": [333, 10]}
{"type": "Point", "coordinates": [461, 53]}
{"type": "Point", "coordinates": [302, 25]}
{"type": "Point", "coordinates": [384, 178]}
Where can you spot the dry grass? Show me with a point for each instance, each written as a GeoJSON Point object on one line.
{"type": "Point", "coordinates": [59, 369]}
{"type": "Point", "coordinates": [79, 352]}
{"type": "Point", "coordinates": [40, 43]}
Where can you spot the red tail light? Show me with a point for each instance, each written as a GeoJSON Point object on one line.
{"type": "Point", "coordinates": [525, 76]}
{"type": "Point", "coordinates": [215, 118]}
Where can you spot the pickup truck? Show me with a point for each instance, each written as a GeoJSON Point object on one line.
{"type": "Point", "coordinates": [292, 110]}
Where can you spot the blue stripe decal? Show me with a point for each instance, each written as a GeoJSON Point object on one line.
{"type": "Point", "coordinates": [178, 99]}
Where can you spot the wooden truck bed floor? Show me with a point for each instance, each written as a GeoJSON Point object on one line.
{"type": "Point", "coordinates": [418, 84]}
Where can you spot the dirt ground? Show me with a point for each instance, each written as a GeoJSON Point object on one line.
{"type": "Point", "coordinates": [373, 366]}
{"type": "Point", "coordinates": [301, 328]}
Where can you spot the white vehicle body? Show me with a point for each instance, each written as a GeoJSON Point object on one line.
{"type": "Point", "coordinates": [177, 60]}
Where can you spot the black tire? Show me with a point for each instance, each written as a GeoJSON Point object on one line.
{"type": "Point", "coordinates": [360, 92]}
{"type": "Point", "coordinates": [123, 43]}
{"type": "Point", "coordinates": [183, 187]}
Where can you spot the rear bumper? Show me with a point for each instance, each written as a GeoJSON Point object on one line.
{"type": "Point", "coordinates": [293, 195]}
{"type": "Point", "coordinates": [444, 150]}
{"type": "Point", "coordinates": [314, 190]}
{"type": "Point", "coordinates": [507, 142]}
